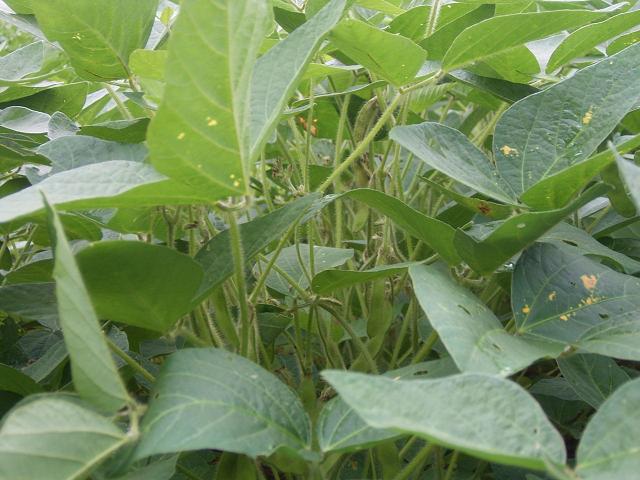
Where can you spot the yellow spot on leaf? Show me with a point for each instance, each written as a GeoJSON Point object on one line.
{"type": "Point", "coordinates": [526, 310]}
{"type": "Point", "coordinates": [507, 150]}
{"type": "Point", "coordinates": [586, 120]}
{"type": "Point", "coordinates": [236, 183]}
{"type": "Point", "coordinates": [181, 136]}
{"type": "Point", "coordinates": [212, 122]}
{"type": "Point", "coordinates": [564, 318]}
{"type": "Point", "coordinates": [589, 281]}
{"type": "Point", "coordinates": [552, 296]}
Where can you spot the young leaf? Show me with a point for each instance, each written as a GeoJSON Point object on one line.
{"type": "Point", "coordinates": [569, 298]}
{"type": "Point", "coordinates": [93, 370]}
{"type": "Point", "coordinates": [502, 423]}
{"type": "Point", "coordinates": [331, 280]}
{"type": "Point", "coordinates": [609, 445]}
{"type": "Point", "coordinates": [502, 33]}
{"type": "Point", "coordinates": [471, 332]}
{"type": "Point", "coordinates": [540, 136]}
{"type": "Point", "coordinates": [56, 439]}
{"type": "Point", "coordinates": [584, 39]}
{"type": "Point", "coordinates": [593, 377]}
{"type": "Point", "coordinates": [393, 57]}
{"type": "Point", "coordinates": [450, 152]}
{"type": "Point", "coordinates": [134, 283]}
{"type": "Point", "coordinates": [278, 72]}
{"type": "Point", "coordinates": [200, 134]}
{"type": "Point", "coordinates": [214, 399]}
{"type": "Point", "coordinates": [97, 37]}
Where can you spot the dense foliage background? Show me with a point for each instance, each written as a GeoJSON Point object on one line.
{"type": "Point", "coordinates": [333, 239]}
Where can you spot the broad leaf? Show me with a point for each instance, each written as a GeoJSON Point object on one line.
{"type": "Point", "coordinates": [584, 39]}
{"type": "Point", "coordinates": [593, 377]}
{"type": "Point", "coordinates": [56, 439]}
{"type": "Point", "coordinates": [340, 429]}
{"type": "Point", "coordinates": [97, 37]}
{"type": "Point", "coordinates": [573, 300]}
{"type": "Point", "coordinates": [135, 283]}
{"type": "Point", "coordinates": [69, 152]}
{"type": "Point", "coordinates": [200, 134]}
{"type": "Point", "coordinates": [450, 152]}
{"type": "Point", "coordinates": [109, 184]}
{"type": "Point", "coordinates": [94, 372]}
{"type": "Point", "coordinates": [472, 333]}
{"type": "Point", "coordinates": [213, 399]}
{"type": "Point", "coordinates": [499, 34]}
{"type": "Point", "coordinates": [278, 72]}
{"type": "Point", "coordinates": [631, 174]}
{"type": "Point", "coordinates": [24, 120]}
{"type": "Point", "coordinates": [22, 62]}
{"type": "Point", "coordinates": [393, 57]}
{"type": "Point", "coordinates": [562, 126]}
{"type": "Point", "coordinates": [501, 423]}
{"type": "Point", "coordinates": [609, 446]}
{"type": "Point", "coordinates": [31, 301]}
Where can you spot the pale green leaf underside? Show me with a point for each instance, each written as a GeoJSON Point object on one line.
{"type": "Point", "coordinates": [609, 445]}
{"type": "Point", "coordinates": [481, 415]}
{"type": "Point", "coordinates": [56, 439]}
{"type": "Point", "coordinates": [213, 399]}
{"type": "Point", "coordinates": [470, 331]}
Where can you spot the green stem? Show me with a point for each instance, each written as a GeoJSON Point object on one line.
{"type": "Point", "coordinates": [362, 146]}
{"type": "Point", "coordinates": [130, 361]}
{"type": "Point", "coordinates": [243, 303]}
{"type": "Point", "coordinates": [420, 457]}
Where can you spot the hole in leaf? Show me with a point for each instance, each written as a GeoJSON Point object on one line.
{"type": "Point", "coordinates": [569, 242]}
{"type": "Point", "coordinates": [465, 310]}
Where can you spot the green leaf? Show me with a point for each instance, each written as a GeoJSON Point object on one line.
{"type": "Point", "coordinates": [507, 91]}
{"type": "Point", "coordinates": [20, 6]}
{"type": "Point", "coordinates": [278, 72]}
{"type": "Point", "coordinates": [97, 38]}
{"type": "Point", "coordinates": [93, 370]}
{"type": "Point", "coordinates": [570, 299]}
{"type": "Point", "coordinates": [158, 470]}
{"type": "Point", "coordinates": [31, 301]}
{"type": "Point", "coordinates": [149, 63]}
{"type": "Point", "coordinates": [216, 257]}
{"type": "Point", "coordinates": [609, 445]}
{"type": "Point", "coordinates": [67, 153]}
{"type": "Point", "coordinates": [496, 243]}
{"type": "Point", "coordinates": [631, 174]}
{"type": "Point", "coordinates": [56, 439]}
{"type": "Point", "coordinates": [135, 283]}
{"type": "Point", "coordinates": [502, 33]}
{"type": "Point", "coordinates": [324, 258]}
{"type": "Point", "coordinates": [340, 429]}
{"type": "Point", "coordinates": [331, 280]}
{"type": "Point", "coordinates": [450, 152]}
{"type": "Point", "coordinates": [558, 189]}
{"type": "Point", "coordinates": [200, 134]}
{"type": "Point", "coordinates": [24, 120]}
{"type": "Point", "coordinates": [541, 135]}
{"type": "Point", "coordinates": [501, 423]}
{"type": "Point", "coordinates": [14, 381]}
{"type": "Point", "coordinates": [109, 184]}
{"type": "Point", "coordinates": [214, 399]}
{"type": "Point", "coordinates": [470, 331]}
{"type": "Point", "coordinates": [566, 236]}
{"type": "Point", "coordinates": [393, 57]}
{"type": "Point", "coordinates": [21, 62]}
{"type": "Point", "coordinates": [584, 39]}
{"type": "Point", "coordinates": [593, 377]}
{"type": "Point", "coordinates": [435, 233]}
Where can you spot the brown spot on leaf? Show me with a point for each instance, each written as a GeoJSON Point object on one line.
{"type": "Point", "coordinates": [589, 281]}
{"type": "Point", "coordinates": [552, 296]}
{"type": "Point", "coordinates": [526, 310]}
{"type": "Point", "coordinates": [564, 318]}
{"type": "Point", "coordinates": [507, 150]}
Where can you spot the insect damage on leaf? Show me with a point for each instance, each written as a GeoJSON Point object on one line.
{"type": "Point", "coordinates": [589, 281]}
